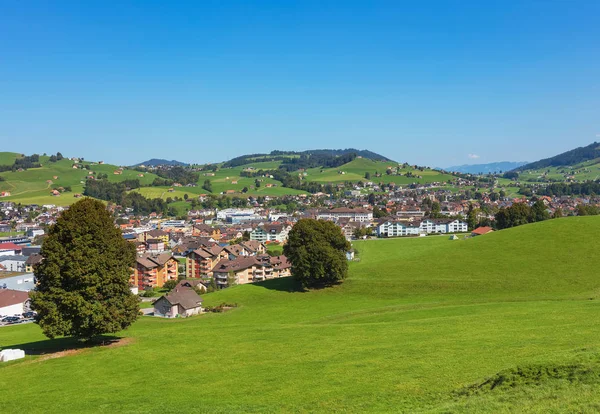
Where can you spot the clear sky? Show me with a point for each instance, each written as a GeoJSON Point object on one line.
{"type": "Point", "coordinates": [435, 83]}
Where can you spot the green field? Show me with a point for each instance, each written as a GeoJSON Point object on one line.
{"type": "Point", "coordinates": [420, 326]}
{"type": "Point", "coordinates": [31, 187]}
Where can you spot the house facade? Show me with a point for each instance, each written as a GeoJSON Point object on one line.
{"type": "Point", "coordinates": [152, 271]}
{"type": "Point", "coordinates": [180, 302]}
{"type": "Point", "coordinates": [270, 233]}
{"type": "Point", "coordinates": [353, 214]}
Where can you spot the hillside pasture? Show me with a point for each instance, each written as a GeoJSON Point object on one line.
{"type": "Point", "coordinates": [31, 186]}
{"type": "Point", "coordinates": [355, 171]}
{"type": "Point", "coordinates": [504, 322]}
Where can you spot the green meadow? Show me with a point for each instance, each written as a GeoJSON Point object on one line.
{"type": "Point", "coordinates": [31, 186]}
{"type": "Point", "coordinates": [506, 322]}
{"type": "Point", "coordinates": [355, 171]}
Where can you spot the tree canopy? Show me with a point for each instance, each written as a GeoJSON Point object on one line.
{"type": "Point", "coordinates": [83, 281]}
{"type": "Point", "coordinates": [317, 252]}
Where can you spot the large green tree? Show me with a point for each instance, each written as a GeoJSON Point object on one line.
{"type": "Point", "coordinates": [317, 252]}
{"type": "Point", "coordinates": [83, 281]}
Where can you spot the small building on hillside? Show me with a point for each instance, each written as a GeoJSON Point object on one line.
{"type": "Point", "coordinates": [480, 231]}
{"type": "Point", "coordinates": [180, 302]}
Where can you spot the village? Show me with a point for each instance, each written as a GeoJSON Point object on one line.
{"type": "Point", "coordinates": [179, 258]}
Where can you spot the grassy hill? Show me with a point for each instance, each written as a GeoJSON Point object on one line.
{"type": "Point", "coordinates": [356, 169]}
{"type": "Point", "coordinates": [505, 322]}
{"type": "Point", "coordinates": [31, 186]}
{"type": "Point", "coordinates": [583, 171]}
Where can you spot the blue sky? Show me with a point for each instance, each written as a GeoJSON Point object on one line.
{"type": "Point", "coordinates": [434, 83]}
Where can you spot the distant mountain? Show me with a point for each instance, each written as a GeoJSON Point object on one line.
{"type": "Point", "coordinates": [486, 168]}
{"type": "Point", "coordinates": [575, 156]}
{"type": "Point", "coordinates": [154, 162]}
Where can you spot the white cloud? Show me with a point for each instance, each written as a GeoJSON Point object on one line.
{"type": "Point", "coordinates": [473, 156]}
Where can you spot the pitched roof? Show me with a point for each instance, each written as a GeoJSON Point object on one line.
{"type": "Point", "coordinates": [34, 259]}
{"type": "Point", "coordinates": [482, 230]}
{"type": "Point", "coordinates": [239, 263]}
{"type": "Point", "coordinates": [150, 261]}
{"type": "Point", "coordinates": [185, 297]}
{"type": "Point", "coordinates": [10, 246]}
{"type": "Point", "coordinates": [10, 297]}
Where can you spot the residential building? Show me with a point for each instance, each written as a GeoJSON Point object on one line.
{"type": "Point", "coordinates": [33, 261]}
{"type": "Point", "coordinates": [271, 233]}
{"type": "Point", "coordinates": [180, 302]}
{"type": "Point", "coordinates": [154, 270]}
{"type": "Point", "coordinates": [14, 263]}
{"type": "Point", "coordinates": [13, 302]}
{"type": "Point", "coordinates": [354, 214]}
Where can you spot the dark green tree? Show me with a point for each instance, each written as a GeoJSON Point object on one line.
{"type": "Point", "coordinates": [83, 281]}
{"type": "Point", "coordinates": [472, 221]}
{"type": "Point", "coordinates": [207, 186]}
{"type": "Point", "coordinates": [317, 251]}
{"type": "Point", "coordinates": [371, 199]}
{"type": "Point", "coordinates": [539, 211]}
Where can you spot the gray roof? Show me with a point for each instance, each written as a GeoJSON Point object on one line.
{"type": "Point", "coordinates": [185, 297]}
{"type": "Point", "coordinates": [16, 258]}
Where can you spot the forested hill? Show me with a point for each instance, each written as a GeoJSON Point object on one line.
{"type": "Point", "coordinates": [327, 158]}
{"type": "Point", "coordinates": [575, 156]}
{"type": "Point", "coordinates": [155, 162]}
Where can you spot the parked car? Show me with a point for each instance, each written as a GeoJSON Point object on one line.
{"type": "Point", "coordinates": [29, 315]}
{"type": "Point", "coordinates": [10, 319]}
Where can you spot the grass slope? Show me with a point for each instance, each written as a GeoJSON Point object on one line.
{"type": "Point", "coordinates": [31, 187]}
{"type": "Point", "coordinates": [588, 170]}
{"type": "Point", "coordinates": [8, 158]}
{"type": "Point", "coordinates": [423, 324]}
{"type": "Point", "coordinates": [356, 169]}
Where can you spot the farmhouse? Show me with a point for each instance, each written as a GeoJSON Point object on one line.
{"type": "Point", "coordinates": [180, 302]}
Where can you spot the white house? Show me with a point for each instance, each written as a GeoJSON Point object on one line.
{"type": "Point", "coordinates": [15, 263]}
{"type": "Point", "coordinates": [270, 233]}
{"type": "Point", "coordinates": [13, 302]}
{"type": "Point", "coordinates": [180, 302]}
{"type": "Point", "coordinates": [392, 228]}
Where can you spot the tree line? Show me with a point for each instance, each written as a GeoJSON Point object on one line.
{"type": "Point", "coordinates": [25, 162]}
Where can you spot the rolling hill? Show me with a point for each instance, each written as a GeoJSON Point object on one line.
{"type": "Point", "coordinates": [32, 187]}
{"type": "Point", "coordinates": [497, 323]}
{"type": "Point", "coordinates": [568, 158]}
